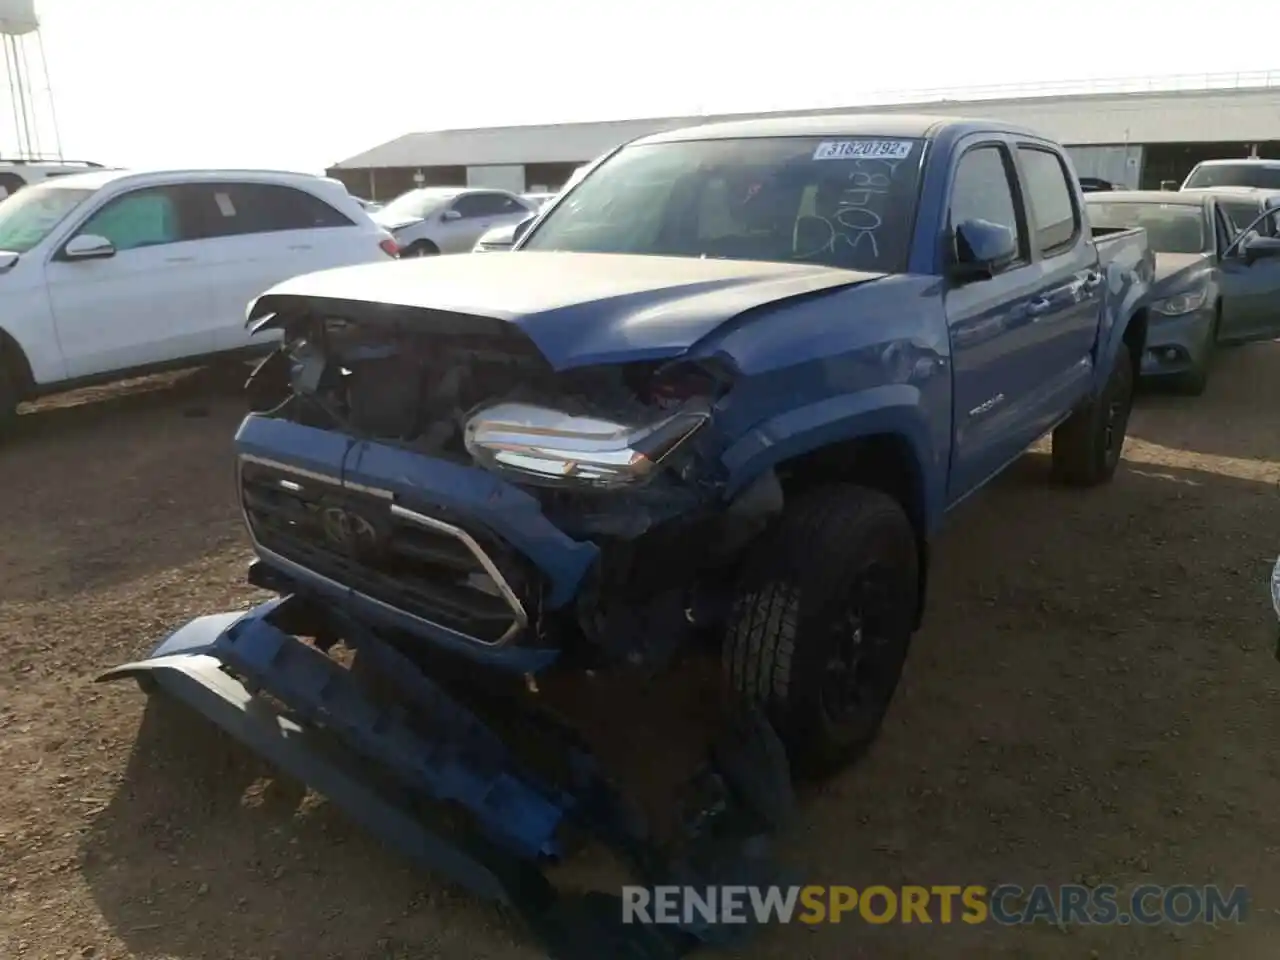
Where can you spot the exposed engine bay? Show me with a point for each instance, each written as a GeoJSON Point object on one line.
{"type": "Point", "coordinates": [637, 470]}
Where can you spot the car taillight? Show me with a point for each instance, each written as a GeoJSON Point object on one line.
{"type": "Point", "coordinates": [389, 246]}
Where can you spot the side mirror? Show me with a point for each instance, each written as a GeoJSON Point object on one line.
{"type": "Point", "coordinates": [451, 215]}
{"type": "Point", "coordinates": [983, 249]}
{"type": "Point", "coordinates": [88, 246]}
{"type": "Point", "coordinates": [1260, 248]}
{"type": "Point", "coordinates": [522, 228]}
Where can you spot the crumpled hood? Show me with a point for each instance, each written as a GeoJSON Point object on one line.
{"type": "Point", "coordinates": [577, 308]}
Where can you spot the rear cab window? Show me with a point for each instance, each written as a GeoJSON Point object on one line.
{"type": "Point", "coordinates": [1171, 227]}
{"type": "Point", "coordinates": [1051, 203]}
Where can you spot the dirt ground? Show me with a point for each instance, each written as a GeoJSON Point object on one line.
{"type": "Point", "coordinates": [1094, 698]}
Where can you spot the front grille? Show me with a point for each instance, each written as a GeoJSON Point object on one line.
{"type": "Point", "coordinates": [359, 538]}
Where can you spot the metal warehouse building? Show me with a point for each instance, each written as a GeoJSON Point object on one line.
{"type": "Point", "coordinates": [1135, 137]}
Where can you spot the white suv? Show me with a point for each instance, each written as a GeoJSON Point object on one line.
{"type": "Point", "coordinates": [115, 272]}
{"type": "Point", "coordinates": [16, 174]}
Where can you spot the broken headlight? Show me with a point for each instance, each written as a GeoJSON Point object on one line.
{"type": "Point", "coordinates": [542, 445]}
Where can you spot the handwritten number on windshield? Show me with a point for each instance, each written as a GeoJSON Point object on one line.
{"type": "Point", "coordinates": [855, 220]}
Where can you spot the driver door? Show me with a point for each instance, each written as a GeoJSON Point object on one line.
{"type": "Point", "coordinates": [147, 302]}
{"type": "Point", "coordinates": [1250, 291]}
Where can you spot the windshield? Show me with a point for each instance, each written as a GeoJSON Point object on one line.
{"type": "Point", "coordinates": [846, 203]}
{"type": "Point", "coordinates": [417, 203]}
{"type": "Point", "coordinates": [30, 215]}
{"type": "Point", "coordinates": [1171, 228]}
{"type": "Point", "coordinates": [1235, 175]}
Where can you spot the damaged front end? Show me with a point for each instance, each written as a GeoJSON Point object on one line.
{"type": "Point", "coordinates": [571, 513]}
{"type": "Point", "coordinates": [482, 565]}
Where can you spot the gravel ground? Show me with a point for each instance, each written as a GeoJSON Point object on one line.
{"type": "Point", "coordinates": [1093, 698]}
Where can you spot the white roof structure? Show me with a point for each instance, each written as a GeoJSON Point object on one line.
{"type": "Point", "coordinates": [1204, 108]}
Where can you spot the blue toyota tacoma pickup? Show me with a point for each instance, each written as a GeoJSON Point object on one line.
{"type": "Point", "coordinates": [720, 396]}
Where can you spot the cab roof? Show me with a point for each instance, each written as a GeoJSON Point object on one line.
{"type": "Point", "coordinates": [905, 125]}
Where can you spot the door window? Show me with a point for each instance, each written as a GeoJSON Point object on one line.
{"type": "Point", "coordinates": [1241, 213]}
{"type": "Point", "coordinates": [487, 205]}
{"type": "Point", "coordinates": [983, 190]}
{"type": "Point", "coordinates": [143, 218]}
{"type": "Point", "coordinates": [237, 209]}
{"type": "Point", "coordinates": [1051, 207]}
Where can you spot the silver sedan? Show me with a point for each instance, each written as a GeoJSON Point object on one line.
{"type": "Point", "coordinates": [434, 220]}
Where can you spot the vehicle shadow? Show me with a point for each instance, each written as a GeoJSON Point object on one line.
{"type": "Point", "coordinates": [1091, 700]}
{"type": "Point", "coordinates": [1244, 383]}
{"type": "Point", "coordinates": [206, 853]}
{"type": "Point", "coordinates": [190, 392]}
{"type": "Point", "coordinates": [98, 492]}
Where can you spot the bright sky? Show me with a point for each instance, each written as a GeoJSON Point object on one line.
{"type": "Point", "coordinates": [305, 83]}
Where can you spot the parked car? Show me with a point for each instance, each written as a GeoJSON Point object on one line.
{"type": "Point", "coordinates": [1096, 185]}
{"type": "Point", "coordinates": [16, 174]}
{"type": "Point", "coordinates": [1213, 283]}
{"type": "Point", "coordinates": [538, 200]}
{"type": "Point", "coordinates": [434, 220]}
{"type": "Point", "coordinates": [1242, 172]}
{"type": "Point", "coordinates": [112, 273]}
{"type": "Point", "coordinates": [370, 206]}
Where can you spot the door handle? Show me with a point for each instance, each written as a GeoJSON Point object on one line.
{"type": "Point", "coordinates": [300, 246]}
{"type": "Point", "coordinates": [1039, 306]}
{"type": "Point", "coordinates": [179, 259]}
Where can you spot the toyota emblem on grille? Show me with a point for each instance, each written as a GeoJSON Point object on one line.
{"type": "Point", "coordinates": [349, 530]}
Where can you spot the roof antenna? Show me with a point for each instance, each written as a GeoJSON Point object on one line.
{"type": "Point", "coordinates": [29, 123]}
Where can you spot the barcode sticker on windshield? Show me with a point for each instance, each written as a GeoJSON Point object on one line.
{"type": "Point", "coordinates": [863, 150]}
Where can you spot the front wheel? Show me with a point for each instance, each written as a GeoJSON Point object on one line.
{"type": "Point", "coordinates": [1087, 446]}
{"type": "Point", "coordinates": [822, 620]}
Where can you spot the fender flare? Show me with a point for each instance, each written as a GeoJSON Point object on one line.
{"type": "Point", "coordinates": [892, 409]}
{"type": "Point", "coordinates": [1126, 300]}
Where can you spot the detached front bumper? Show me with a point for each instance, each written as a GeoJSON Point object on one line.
{"type": "Point", "coordinates": [441, 787]}
{"type": "Point", "coordinates": [1178, 344]}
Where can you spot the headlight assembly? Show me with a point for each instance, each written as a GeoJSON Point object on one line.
{"type": "Point", "coordinates": [545, 446]}
{"type": "Point", "coordinates": [1182, 303]}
